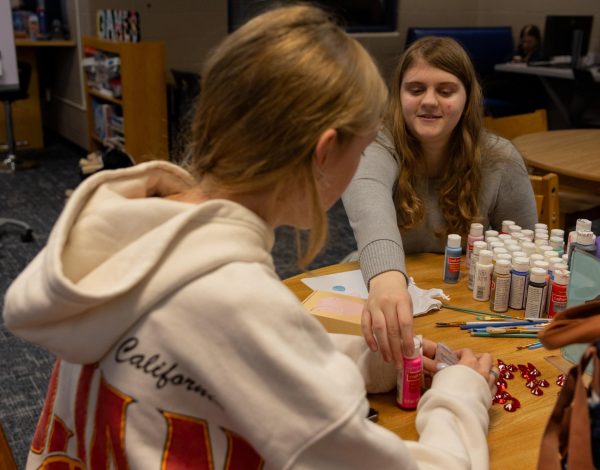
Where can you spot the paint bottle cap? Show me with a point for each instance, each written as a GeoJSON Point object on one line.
{"type": "Point", "coordinates": [502, 266]}
{"type": "Point", "coordinates": [490, 233]}
{"type": "Point", "coordinates": [535, 257]}
{"type": "Point", "coordinates": [491, 240]}
{"type": "Point", "coordinates": [485, 257]}
{"type": "Point", "coordinates": [506, 224]}
{"type": "Point", "coordinates": [521, 264]}
{"type": "Point", "coordinates": [478, 246]}
{"type": "Point", "coordinates": [557, 242]}
{"type": "Point", "coordinates": [557, 232]}
{"type": "Point", "coordinates": [512, 248]}
{"type": "Point", "coordinates": [519, 254]}
{"type": "Point", "coordinates": [417, 340]}
{"type": "Point", "coordinates": [549, 254]}
{"type": "Point", "coordinates": [554, 261]}
{"type": "Point", "coordinates": [561, 276]}
{"type": "Point", "coordinates": [454, 240]}
{"type": "Point", "coordinates": [585, 237]}
{"type": "Point", "coordinates": [583, 224]}
{"type": "Point", "coordinates": [528, 233]}
{"type": "Point", "coordinates": [559, 266]}
{"type": "Point", "coordinates": [541, 264]}
{"type": "Point", "coordinates": [537, 275]}
{"type": "Point", "coordinates": [476, 229]}
{"type": "Point", "coordinates": [543, 248]}
{"type": "Point", "coordinates": [497, 244]}
{"type": "Point", "coordinates": [514, 228]}
{"type": "Point", "coordinates": [541, 226]}
{"type": "Point", "coordinates": [504, 236]}
{"type": "Point", "coordinates": [505, 256]}
{"type": "Point", "coordinates": [528, 247]}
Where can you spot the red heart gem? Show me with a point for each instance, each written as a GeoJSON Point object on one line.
{"type": "Point", "coordinates": [501, 384]}
{"type": "Point", "coordinates": [532, 384]}
{"type": "Point", "coordinates": [513, 405]}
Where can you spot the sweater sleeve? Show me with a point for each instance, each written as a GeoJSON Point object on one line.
{"type": "Point", "coordinates": [379, 376]}
{"type": "Point", "coordinates": [452, 421]}
{"type": "Point", "coordinates": [369, 203]}
{"type": "Point", "coordinates": [515, 199]}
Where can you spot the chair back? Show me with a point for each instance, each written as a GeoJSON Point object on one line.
{"type": "Point", "coordinates": [510, 127]}
{"type": "Point", "coordinates": [545, 189]}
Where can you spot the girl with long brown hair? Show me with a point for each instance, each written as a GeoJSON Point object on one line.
{"type": "Point", "coordinates": [433, 170]}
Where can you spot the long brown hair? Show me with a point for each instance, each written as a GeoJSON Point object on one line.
{"type": "Point", "coordinates": [460, 185]}
{"type": "Point", "coordinates": [268, 92]}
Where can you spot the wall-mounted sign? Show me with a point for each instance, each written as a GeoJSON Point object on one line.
{"type": "Point", "coordinates": [118, 25]}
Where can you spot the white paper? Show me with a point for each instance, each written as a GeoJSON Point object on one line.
{"type": "Point", "coordinates": [352, 283]}
{"type": "Point", "coordinates": [347, 282]}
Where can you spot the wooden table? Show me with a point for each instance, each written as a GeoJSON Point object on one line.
{"type": "Point", "coordinates": [514, 438]}
{"type": "Point", "coordinates": [573, 154]}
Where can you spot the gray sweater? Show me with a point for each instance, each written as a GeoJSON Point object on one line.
{"type": "Point", "coordinates": [506, 194]}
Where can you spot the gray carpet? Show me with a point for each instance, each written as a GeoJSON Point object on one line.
{"type": "Point", "coordinates": [37, 196]}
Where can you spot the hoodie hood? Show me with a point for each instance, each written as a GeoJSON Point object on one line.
{"type": "Point", "coordinates": [119, 248]}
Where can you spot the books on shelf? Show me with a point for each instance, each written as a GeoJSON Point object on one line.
{"type": "Point", "coordinates": [103, 72]}
{"type": "Point", "coordinates": [108, 121]}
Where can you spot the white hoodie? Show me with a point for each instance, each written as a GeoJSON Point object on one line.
{"type": "Point", "coordinates": [179, 347]}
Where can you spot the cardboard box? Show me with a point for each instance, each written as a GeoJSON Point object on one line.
{"type": "Point", "coordinates": [338, 313]}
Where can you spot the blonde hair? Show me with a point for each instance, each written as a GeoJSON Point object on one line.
{"type": "Point", "coordinates": [269, 91]}
{"type": "Point", "coordinates": [460, 185]}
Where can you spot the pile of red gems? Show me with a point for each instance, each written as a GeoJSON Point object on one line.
{"type": "Point", "coordinates": [529, 373]}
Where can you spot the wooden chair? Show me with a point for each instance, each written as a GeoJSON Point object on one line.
{"type": "Point", "coordinates": [7, 462]}
{"type": "Point", "coordinates": [545, 189]}
{"type": "Point", "coordinates": [510, 127]}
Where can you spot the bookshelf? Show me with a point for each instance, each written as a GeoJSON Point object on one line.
{"type": "Point", "coordinates": [139, 99]}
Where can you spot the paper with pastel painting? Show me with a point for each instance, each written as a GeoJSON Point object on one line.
{"type": "Point", "coordinates": [338, 313]}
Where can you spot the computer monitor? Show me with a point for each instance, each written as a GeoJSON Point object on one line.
{"type": "Point", "coordinates": [567, 36]}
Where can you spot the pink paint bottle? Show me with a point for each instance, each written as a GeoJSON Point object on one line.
{"type": "Point", "coordinates": [410, 378]}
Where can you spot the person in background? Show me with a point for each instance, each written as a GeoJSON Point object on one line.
{"type": "Point", "coordinates": [178, 345]}
{"type": "Point", "coordinates": [530, 45]}
{"type": "Point", "coordinates": [433, 170]}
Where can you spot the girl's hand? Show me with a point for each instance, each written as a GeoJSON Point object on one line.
{"type": "Point", "coordinates": [387, 317]}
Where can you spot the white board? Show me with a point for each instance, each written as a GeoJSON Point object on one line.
{"type": "Point", "coordinates": [9, 73]}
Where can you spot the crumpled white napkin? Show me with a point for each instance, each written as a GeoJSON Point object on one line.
{"type": "Point", "coordinates": [423, 300]}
